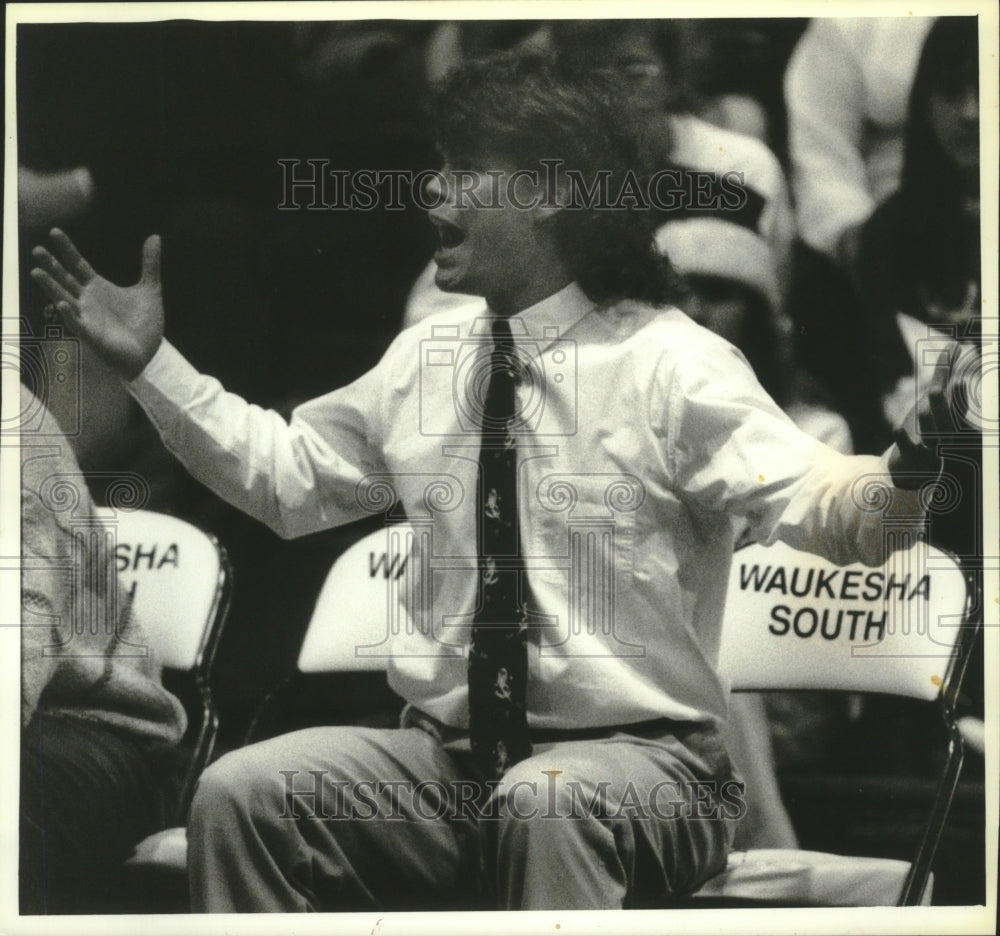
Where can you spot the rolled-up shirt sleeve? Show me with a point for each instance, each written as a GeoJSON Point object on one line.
{"type": "Point", "coordinates": [734, 450]}
{"type": "Point", "coordinates": [298, 476]}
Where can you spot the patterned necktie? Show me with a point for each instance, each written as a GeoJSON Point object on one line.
{"type": "Point", "coordinates": [498, 655]}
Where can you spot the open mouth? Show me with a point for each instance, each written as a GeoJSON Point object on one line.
{"type": "Point", "coordinates": [449, 234]}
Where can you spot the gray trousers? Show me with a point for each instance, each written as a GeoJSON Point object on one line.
{"type": "Point", "coordinates": [375, 819]}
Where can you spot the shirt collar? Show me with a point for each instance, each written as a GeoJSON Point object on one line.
{"type": "Point", "coordinates": [545, 321]}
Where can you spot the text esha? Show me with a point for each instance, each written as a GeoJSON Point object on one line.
{"type": "Point", "coordinates": [130, 557]}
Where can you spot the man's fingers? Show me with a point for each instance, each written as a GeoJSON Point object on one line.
{"type": "Point", "coordinates": [55, 292]}
{"type": "Point", "coordinates": [904, 440]}
{"type": "Point", "coordinates": [942, 411]}
{"type": "Point", "coordinates": [937, 416]}
{"type": "Point", "coordinates": [151, 259]}
{"type": "Point", "coordinates": [934, 418]}
{"type": "Point", "coordinates": [945, 365]}
{"type": "Point", "coordinates": [70, 315]}
{"type": "Point", "coordinates": [57, 271]}
{"type": "Point", "coordinates": [918, 437]}
{"type": "Point", "coordinates": [71, 257]}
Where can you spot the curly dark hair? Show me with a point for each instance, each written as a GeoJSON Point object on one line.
{"type": "Point", "coordinates": [526, 107]}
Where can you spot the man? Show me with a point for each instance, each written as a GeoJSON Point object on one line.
{"type": "Point", "coordinates": [577, 465]}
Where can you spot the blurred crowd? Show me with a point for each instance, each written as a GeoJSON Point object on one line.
{"type": "Point", "coordinates": [858, 244]}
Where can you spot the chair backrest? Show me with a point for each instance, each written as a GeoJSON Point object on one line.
{"type": "Point", "coordinates": [177, 575]}
{"type": "Point", "coordinates": [792, 621]}
{"type": "Point", "coordinates": [795, 621]}
{"type": "Point", "coordinates": [180, 583]}
{"type": "Point", "coordinates": [358, 607]}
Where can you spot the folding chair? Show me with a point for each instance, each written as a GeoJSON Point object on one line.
{"type": "Point", "coordinates": [347, 636]}
{"type": "Point", "coordinates": [180, 584]}
{"type": "Point", "coordinates": [351, 610]}
{"type": "Point", "coordinates": [796, 622]}
{"type": "Point", "coordinates": [358, 608]}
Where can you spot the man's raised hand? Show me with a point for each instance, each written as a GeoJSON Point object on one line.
{"type": "Point", "coordinates": [123, 324]}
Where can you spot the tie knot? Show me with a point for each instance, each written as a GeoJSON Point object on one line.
{"type": "Point", "coordinates": [501, 331]}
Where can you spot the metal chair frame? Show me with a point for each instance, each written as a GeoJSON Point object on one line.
{"type": "Point", "coordinates": [920, 868]}
{"type": "Point", "coordinates": [200, 670]}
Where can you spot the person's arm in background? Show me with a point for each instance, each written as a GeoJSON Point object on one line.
{"type": "Point", "coordinates": [78, 633]}
{"type": "Point", "coordinates": [296, 477]}
{"type": "Point", "coordinates": [780, 234]}
{"type": "Point", "coordinates": [43, 604]}
{"type": "Point", "coordinates": [47, 198]}
{"type": "Point", "coordinates": [825, 99]}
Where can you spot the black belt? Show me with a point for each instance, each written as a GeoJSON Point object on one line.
{"type": "Point", "coordinates": [654, 726]}
{"type": "Point", "coordinates": [414, 717]}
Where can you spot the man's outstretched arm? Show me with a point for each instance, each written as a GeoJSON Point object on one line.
{"type": "Point", "coordinates": [296, 478]}
{"type": "Point", "coordinates": [737, 452]}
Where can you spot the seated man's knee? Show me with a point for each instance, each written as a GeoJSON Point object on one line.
{"type": "Point", "coordinates": [231, 783]}
{"type": "Point", "coordinates": [547, 804]}
{"type": "Point", "coordinates": [228, 781]}
{"type": "Point", "coordinates": [270, 777]}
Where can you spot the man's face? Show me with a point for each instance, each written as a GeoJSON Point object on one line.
{"type": "Point", "coordinates": [488, 236]}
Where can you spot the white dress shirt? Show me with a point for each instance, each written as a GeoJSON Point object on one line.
{"type": "Point", "coordinates": [649, 446]}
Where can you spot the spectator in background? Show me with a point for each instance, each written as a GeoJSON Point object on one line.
{"type": "Point", "coordinates": [733, 71]}
{"type": "Point", "coordinates": [732, 289]}
{"type": "Point", "coordinates": [648, 54]}
{"type": "Point", "coordinates": [98, 730]}
{"type": "Point", "coordinates": [918, 260]}
{"type": "Point", "coordinates": [917, 264]}
{"type": "Point", "coordinates": [846, 89]}
{"type": "Point", "coordinates": [918, 272]}
{"type": "Point", "coordinates": [875, 330]}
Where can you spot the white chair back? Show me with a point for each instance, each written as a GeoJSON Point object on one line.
{"type": "Point", "coordinates": [359, 605]}
{"type": "Point", "coordinates": [176, 574]}
{"type": "Point", "coordinates": [795, 621]}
